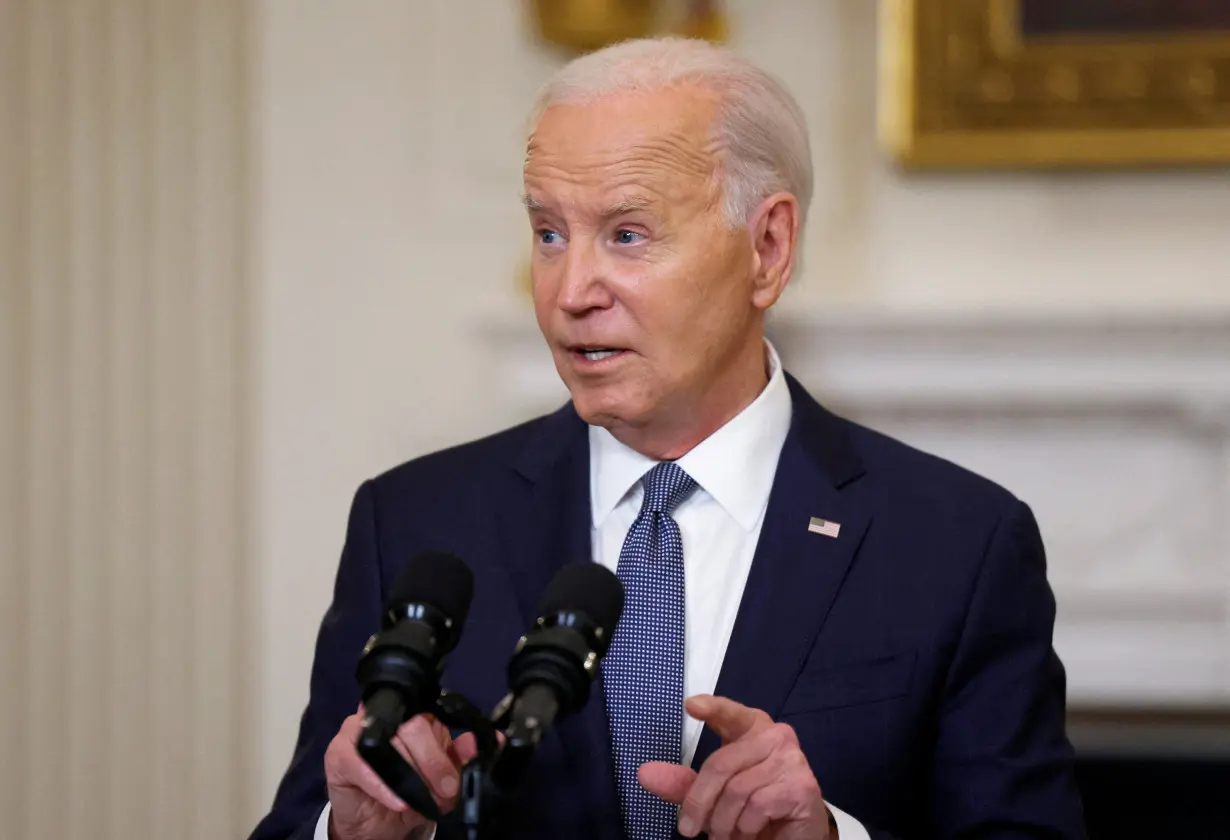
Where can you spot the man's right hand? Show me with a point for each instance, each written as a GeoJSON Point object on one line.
{"type": "Point", "coordinates": [361, 805]}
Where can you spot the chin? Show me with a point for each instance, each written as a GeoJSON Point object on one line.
{"type": "Point", "coordinates": [595, 412]}
{"type": "Point", "coordinates": [604, 407]}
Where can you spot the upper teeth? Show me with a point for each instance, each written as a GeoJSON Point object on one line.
{"type": "Point", "coordinates": [598, 355]}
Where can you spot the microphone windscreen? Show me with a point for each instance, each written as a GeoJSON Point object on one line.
{"type": "Point", "coordinates": [437, 578]}
{"type": "Point", "coordinates": [589, 588]}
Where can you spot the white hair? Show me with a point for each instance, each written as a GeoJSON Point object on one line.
{"type": "Point", "coordinates": [759, 129]}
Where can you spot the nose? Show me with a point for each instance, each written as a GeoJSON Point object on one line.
{"type": "Point", "coordinates": [583, 286]}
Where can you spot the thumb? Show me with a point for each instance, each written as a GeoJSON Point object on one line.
{"type": "Point", "coordinates": [465, 748]}
{"type": "Point", "coordinates": [667, 781]}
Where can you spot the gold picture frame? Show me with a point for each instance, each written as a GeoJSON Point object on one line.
{"type": "Point", "coordinates": [964, 86]}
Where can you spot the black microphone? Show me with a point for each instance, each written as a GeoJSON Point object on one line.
{"type": "Point", "coordinates": [557, 660]}
{"type": "Point", "coordinates": [399, 672]}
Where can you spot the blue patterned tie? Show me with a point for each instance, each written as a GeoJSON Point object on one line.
{"type": "Point", "coordinates": [642, 674]}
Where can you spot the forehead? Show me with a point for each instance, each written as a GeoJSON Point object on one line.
{"type": "Point", "coordinates": [661, 141]}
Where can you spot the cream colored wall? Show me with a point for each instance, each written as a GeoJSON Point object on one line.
{"type": "Point", "coordinates": [123, 298]}
{"type": "Point", "coordinates": [376, 240]}
{"type": "Point", "coordinates": [389, 154]}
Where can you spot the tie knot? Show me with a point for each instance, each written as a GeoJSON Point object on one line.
{"type": "Point", "coordinates": [666, 485]}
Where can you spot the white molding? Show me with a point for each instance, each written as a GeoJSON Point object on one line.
{"type": "Point", "coordinates": [1173, 361]}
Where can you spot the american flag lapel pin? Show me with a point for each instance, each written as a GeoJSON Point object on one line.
{"type": "Point", "coordinates": [824, 527]}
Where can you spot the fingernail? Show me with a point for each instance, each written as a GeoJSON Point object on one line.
{"type": "Point", "coordinates": [448, 787]}
{"type": "Point", "coordinates": [686, 827]}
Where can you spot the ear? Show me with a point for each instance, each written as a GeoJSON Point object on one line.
{"type": "Point", "coordinates": [775, 234]}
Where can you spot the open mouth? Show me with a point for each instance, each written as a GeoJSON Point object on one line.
{"type": "Point", "coordinates": [597, 354]}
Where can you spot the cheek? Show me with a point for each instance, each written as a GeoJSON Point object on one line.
{"type": "Point", "coordinates": [704, 302]}
{"type": "Point", "coordinates": [544, 289]}
{"type": "Point", "coordinates": [707, 326]}
{"type": "Point", "coordinates": [680, 331]}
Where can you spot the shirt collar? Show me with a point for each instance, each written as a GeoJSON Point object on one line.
{"type": "Point", "coordinates": [735, 465]}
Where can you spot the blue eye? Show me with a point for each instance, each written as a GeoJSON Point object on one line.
{"type": "Point", "coordinates": [627, 237]}
{"type": "Point", "coordinates": [548, 237]}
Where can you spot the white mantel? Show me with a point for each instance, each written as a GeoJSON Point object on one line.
{"type": "Point", "coordinates": [1116, 430]}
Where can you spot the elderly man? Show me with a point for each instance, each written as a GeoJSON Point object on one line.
{"type": "Point", "coordinates": [851, 638]}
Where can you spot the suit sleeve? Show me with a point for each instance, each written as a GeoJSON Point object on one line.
{"type": "Point", "coordinates": [1003, 766]}
{"type": "Point", "coordinates": [352, 616]}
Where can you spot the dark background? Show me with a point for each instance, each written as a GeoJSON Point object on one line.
{"type": "Point", "coordinates": [1153, 774]}
{"type": "Point", "coordinates": [1147, 798]}
{"type": "Point", "coordinates": [1058, 17]}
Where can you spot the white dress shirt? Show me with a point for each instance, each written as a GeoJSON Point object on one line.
{"type": "Point", "coordinates": [720, 525]}
{"type": "Point", "coordinates": [719, 522]}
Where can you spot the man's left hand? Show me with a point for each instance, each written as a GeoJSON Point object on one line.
{"type": "Point", "coordinates": [758, 785]}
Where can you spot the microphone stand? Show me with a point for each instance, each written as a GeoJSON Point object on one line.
{"type": "Point", "coordinates": [487, 781]}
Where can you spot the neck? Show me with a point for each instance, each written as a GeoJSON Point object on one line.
{"type": "Point", "coordinates": [669, 441]}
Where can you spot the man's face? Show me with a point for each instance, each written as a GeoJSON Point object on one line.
{"type": "Point", "coordinates": [641, 287]}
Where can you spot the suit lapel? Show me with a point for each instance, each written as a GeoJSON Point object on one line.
{"type": "Point", "coordinates": [795, 574]}
{"type": "Point", "coordinates": [544, 526]}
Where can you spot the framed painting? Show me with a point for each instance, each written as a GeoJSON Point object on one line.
{"type": "Point", "coordinates": [1055, 83]}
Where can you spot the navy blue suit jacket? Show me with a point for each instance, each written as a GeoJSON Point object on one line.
{"type": "Point", "coordinates": [912, 654]}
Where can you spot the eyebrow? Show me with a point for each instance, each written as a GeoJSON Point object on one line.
{"type": "Point", "coordinates": [619, 208]}
{"type": "Point", "coordinates": [629, 205]}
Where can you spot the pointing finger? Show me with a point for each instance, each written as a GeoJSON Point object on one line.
{"type": "Point", "coordinates": [728, 719]}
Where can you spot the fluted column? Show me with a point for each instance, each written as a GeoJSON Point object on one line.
{"type": "Point", "coordinates": [123, 137]}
